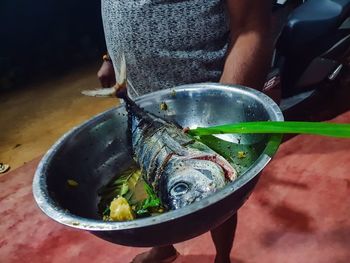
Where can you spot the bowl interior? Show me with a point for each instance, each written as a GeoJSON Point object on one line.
{"type": "Point", "coordinates": [96, 151]}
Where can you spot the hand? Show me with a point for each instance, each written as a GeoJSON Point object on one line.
{"type": "Point", "coordinates": [120, 90]}
{"type": "Point", "coordinates": [106, 74]}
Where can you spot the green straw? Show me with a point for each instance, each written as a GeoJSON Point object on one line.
{"type": "Point", "coordinates": [316, 128]}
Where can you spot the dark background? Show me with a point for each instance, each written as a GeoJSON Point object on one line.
{"type": "Point", "coordinates": [43, 38]}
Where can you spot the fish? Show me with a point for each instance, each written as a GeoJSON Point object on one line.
{"type": "Point", "coordinates": [180, 169]}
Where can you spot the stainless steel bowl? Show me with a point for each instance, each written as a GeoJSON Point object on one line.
{"type": "Point", "coordinates": [94, 152]}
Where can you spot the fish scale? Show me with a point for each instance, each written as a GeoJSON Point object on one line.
{"type": "Point", "coordinates": [180, 169]}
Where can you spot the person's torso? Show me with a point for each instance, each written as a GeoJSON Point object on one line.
{"type": "Point", "coordinates": [167, 42]}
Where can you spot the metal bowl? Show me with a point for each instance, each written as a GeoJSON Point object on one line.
{"type": "Point", "coordinates": [94, 152]}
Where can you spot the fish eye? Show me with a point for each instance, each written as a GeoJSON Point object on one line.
{"type": "Point", "coordinates": [179, 189]}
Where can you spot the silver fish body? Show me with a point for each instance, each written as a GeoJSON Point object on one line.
{"type": "Point", "coordinates": [180, 169]}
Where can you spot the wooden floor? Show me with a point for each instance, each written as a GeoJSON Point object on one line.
{"type": "Point", "coordinates": [34, 117]}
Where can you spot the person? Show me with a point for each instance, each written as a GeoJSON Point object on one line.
{"type": "Point", "coordinates": [168, 43]}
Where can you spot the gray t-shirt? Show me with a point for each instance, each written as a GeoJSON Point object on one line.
{"type": "Point", "coordinates": [167, 42]}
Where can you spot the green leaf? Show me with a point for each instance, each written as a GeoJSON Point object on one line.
{"type": "Point", "coordinates": [106, 212]}
{"type": "Point", "coordinates": [150, 204]}
{"type": "Point", "coordinates": [154, 203]}
{"type": "Point", "coordinates": [316, 128]}
{"type": "Point", "coordinates": [119, 186]}
{"type": "Point", "coordinates": [150, 191]}
{"type": "Point", "coordinates": [124, 189]}
{"type": "Point", "coordinates": [142, 213]}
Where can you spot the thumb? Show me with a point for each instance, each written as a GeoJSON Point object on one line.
{"type": "Point", "coordinates": [120, 90]}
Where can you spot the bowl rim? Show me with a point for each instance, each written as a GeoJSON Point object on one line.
{"type": "Point", "coordinates": [61, 215]}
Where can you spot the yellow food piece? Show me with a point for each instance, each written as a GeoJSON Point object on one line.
{"type": "Point", "coordinates": [163, 106]}
{"type": "Point", "coordinates": [241, 155]}
{"type": "Point", "coordinates": [72, 183]}
{"type": "Point", "coordinates": [120, 210]}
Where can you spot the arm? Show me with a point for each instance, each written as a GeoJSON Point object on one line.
{"type": "Point", "coordinates": [250, 51]}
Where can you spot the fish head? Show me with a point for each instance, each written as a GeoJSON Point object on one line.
{"type": "Point", "coordinates": [186, 181]}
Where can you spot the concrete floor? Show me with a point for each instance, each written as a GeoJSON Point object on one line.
{"type": "Point", "coordinates": [34, 117]}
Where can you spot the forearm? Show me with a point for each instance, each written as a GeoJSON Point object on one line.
{"type": "Point", "coordinates": [248, 60]}
{"type": "Point", "coordinates": [250, 52]}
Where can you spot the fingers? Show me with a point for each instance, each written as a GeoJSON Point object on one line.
{"type": "Point", "coordinates": [106, 75]}
{"type": "Point", "coordinates": [120, 91]}
{"type": "Point", "coordinates": [106, 80]}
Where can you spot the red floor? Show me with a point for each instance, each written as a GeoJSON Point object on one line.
{"type": "Point", "coordinates": [300, 212]}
